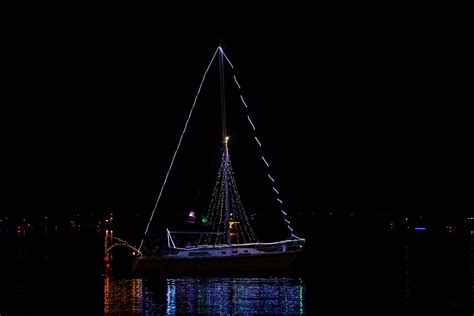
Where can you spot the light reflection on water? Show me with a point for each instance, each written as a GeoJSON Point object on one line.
{"type": "Point", "coordinates": [275, 295]}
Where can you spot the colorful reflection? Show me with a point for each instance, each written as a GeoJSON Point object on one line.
{"type": "Point", "coordinates": [204, 296]}
{"type": "Point", "coordinates": [122, 295]}
{"type": "Point", "coordinates": [235, 295]}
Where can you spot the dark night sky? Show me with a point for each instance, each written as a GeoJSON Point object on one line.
{"type": "Point", "coordinates": [359, 107]}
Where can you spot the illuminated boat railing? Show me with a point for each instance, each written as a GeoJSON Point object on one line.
{"type": "Point", "coordinates": [293, 244]}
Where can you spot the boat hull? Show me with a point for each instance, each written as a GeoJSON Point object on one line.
{"type": "Point", "coordinates": [162, 266]}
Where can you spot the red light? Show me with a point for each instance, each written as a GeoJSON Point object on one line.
{"type": "Point", "coordinates": [107, 265]}
{"type": "Point", "coordinates": [106, 258]}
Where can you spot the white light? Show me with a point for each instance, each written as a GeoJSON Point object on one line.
{"type": "Point", "coordinates": [253, 126]}
{"type": "Point", "coordinates": [297, 237]}
{"type": "Point", "coordinates": [238, 85]}
{"type": "Point", "coordinates": [232, 66]}
{"type": "Point", "coordinates": [177, 147]}
{"type": "Point", "coordinates": [241, 98]}
{"type": "Point", "coordinates": [275, 190]}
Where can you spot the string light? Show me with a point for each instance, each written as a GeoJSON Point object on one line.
{"type": "Point", "coordinates": [236, 82]}
{"type": "Point", "coordinates": [250, 121]}
{"type": "Point", "coordinates": [216, 208]}
{"type": "Point", "coordinates": [213, 205]}
{"type": "Point", "coordinates": [296, 241]}
{"type": "Point", "coordinates": [284, 214]}
{"type": "Point", "coordinates": [112, 242]}
{"type": "Point", "coordinates": [179, 144]}
{"type": "Point", "coordinates": [247, 228]}
{"type": "Point", "coordinates": [242, 98]}
{"type": "Point", "coordinates": [243, 230]}
{"type": "Point", "coordinates": [299, 238]}
{"type": "Point", "coordinates": [222, 51]}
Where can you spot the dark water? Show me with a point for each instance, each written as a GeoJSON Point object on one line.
{"type": "Point", "coordinates": [346, 270]}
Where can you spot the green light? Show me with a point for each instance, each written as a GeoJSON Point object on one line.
{"type": "Point", "coordinates": [204, 220]}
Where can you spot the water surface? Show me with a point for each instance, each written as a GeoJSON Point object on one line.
{"type": "Point", "coordinates": [269, 295]}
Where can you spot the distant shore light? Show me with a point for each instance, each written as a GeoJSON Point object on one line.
{"type": "Point", "coordinates": [420, 228]}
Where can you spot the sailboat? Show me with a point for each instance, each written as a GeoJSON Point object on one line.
{"type": "Point", "coordinates": [230, 244]}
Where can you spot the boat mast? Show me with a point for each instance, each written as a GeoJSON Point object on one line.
{"type": "Point", "coordinates": [225, 139]}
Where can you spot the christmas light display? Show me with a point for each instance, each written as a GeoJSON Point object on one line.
{"type": "Point", "coordinates": [242, 230]}
{"type": "Point", "coordinates": [179, 144]}
{"type": "Point", "coordinates": [284, 214]}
